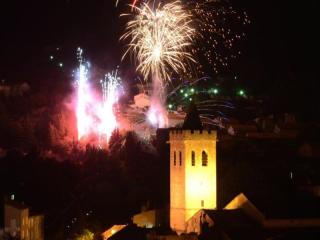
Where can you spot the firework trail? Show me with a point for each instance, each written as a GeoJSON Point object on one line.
{"type": "Point", "coordinates": [132, 4]}
{"type": "Point", "coordinates": [160, 39]}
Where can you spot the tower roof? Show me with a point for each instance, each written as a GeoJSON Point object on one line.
{"type": "Point", "coordinates": [192, 120]}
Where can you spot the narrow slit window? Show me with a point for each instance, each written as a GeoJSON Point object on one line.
{"type": "Point", "coordinates": [193, 158]}
{"type": "Point", "coordinates": [180, 158]}
{"type": "Point", "coordinates": [174, 158]}
{"type": "Point", "coordinates": [202, 203]}
{"type": "Point", "coordinates": [204, 158]}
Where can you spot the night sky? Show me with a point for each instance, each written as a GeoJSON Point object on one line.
{"type": "Point", "coordinates": [280, 53]}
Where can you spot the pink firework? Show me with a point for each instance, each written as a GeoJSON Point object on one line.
{"type": "Point", "coordinates": [96, 119]}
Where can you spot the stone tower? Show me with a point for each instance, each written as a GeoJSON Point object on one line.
{"type": "Point", "coordinates": [193, 183]}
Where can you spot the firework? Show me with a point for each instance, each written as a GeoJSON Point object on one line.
{"type": "Point", "coordinates": [110, 94]}
{"type": "Point", "coordinates": [83, 97]}
{"type": "Point", "coordinates": [160, 39]}
{"type": "Point", "coordinates": [96, 118]}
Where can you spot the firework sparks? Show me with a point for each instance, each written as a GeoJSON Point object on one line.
{"type": "Point", "coordinates": [160, 39]}
{"type": "Point", "coordinates": [83, 97]}
{"type": "Point", "coordinates": [110, 93]}
{"type": "Point", "coordinates": [220, 29]}
{"type": "Point", "coordinates": [96, 118]}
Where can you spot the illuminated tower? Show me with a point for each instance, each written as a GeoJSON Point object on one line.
{"type": "Point", "coordinates": [193, 183]}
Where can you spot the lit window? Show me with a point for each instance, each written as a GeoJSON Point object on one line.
{"type": "Point", "coordinates": [180, 158]}
{"type": "Point", "coordinates": [193, 158]}
{"type": "Point", "coordinates": [174, 158]}
{"type": "Point", "coordinates": [204, 158]}
{"type": "Point", "coordinates": [202, 203]}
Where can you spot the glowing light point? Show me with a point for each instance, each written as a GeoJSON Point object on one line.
{"type": "Point", "coordinates": [170, 106]}
{"type": "Point", "coordinates": [61, 64]}
{"type": "Point", "coordinates": [215, 91]}
{"type": "Point", "coordinates": [241, 92]}
{"type": "Point", "coordinates": [51, 57]}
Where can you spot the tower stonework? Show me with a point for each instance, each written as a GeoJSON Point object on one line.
{"type": "Point", "coordinates": [193, 182]}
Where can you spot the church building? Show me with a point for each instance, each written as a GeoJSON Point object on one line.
{"type": "Point", "coordinates": [193, 178]}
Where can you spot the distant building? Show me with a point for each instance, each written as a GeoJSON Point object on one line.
{"type": "Point", "coordinates": [111, 231]}
{"type": "Point", "coordinates": [18, 222]}
{"type": "Point", "coordinates": [145, 88]}
{"type": "Point", "coordinates": [141, 100]}
{"type": "Point", "coordinates": [240, 219]}
{"type": "Point", "coordinates": [151, 219]}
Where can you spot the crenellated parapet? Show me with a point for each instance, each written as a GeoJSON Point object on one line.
{"type": "Point", "coordinates": [183, 135]}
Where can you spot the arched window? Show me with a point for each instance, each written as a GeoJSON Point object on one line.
{"type": "Point", "coordinates": [193, 158]}
{"type": "Point", "coordinates": [204, 158]}
{"type": "Point", "coordinates": [180, 158]}
{"type": "Point", "coordinates": [174, 158]}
